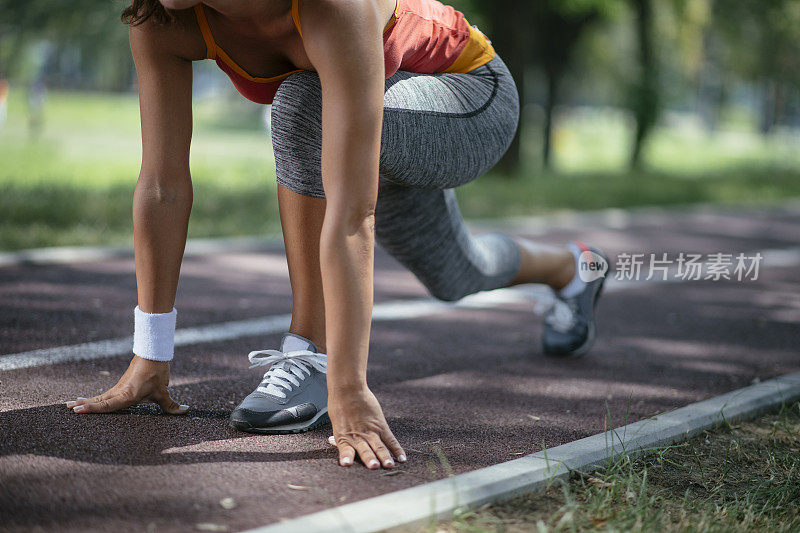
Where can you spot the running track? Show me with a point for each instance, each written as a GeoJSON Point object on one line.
{"type": "Point", "coordinates": [462, 387]}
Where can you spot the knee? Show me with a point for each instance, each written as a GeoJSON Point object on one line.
{"type": "Point", "coordinates": [297, 134]}
{"type": "Point", "coordinates": [441, 283]}
{"type": "Point", "coordinates": [446, 290]}
{"type": "Point", "coordinates": [297, 107]}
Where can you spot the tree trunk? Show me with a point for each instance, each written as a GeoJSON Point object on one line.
{"type": "Point", "coordinates": [510, 44]}
{"type": "Point", "coordinates": [553, 78]}
{"type": "Point", "coordinates": [645, 97]}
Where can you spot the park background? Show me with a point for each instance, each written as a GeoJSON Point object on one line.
{"type": "Point", "coordinates": [626, 103]}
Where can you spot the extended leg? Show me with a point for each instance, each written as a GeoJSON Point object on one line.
{"type": "Point", "coordinates": [441, 131]}
{"type": "Point", "coordinates": [544, 263]}
{"type": "Point", "coordinates": [423, 229]}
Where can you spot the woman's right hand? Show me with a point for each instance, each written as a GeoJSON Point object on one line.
{"type": "Point", "coordinates": [144, 381]}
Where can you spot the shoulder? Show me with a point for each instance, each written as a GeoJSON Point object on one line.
{"type": "Point", "coordinates": [340, 15]}
{"type": "Point", "coordinates": [181, 39]}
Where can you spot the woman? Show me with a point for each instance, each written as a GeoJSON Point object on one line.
{"type": "Point", "coordinates": [380, 108]}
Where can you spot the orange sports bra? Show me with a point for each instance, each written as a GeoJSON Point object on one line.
{"type": "Point", "coordinates": [422, 36]}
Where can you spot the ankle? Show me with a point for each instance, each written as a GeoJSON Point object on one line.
{"type": "Point", "coordinates": [565, 273]}
{"type": "Point", "coordinates": [575, 285]}
{"type": "Point", "coordinates": [317, 338]}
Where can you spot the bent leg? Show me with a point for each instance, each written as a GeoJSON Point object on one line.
{"type": "Point", "coordinates": [441, 131]}
{"type": "Point", "coordinates": [297, 143]}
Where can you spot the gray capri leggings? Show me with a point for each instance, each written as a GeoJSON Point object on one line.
{"type": "Point", "coordinates": [439, 131]}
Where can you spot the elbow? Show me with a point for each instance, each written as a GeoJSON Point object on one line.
{"type": "Point", "coordinates": [159, 201]}
{"type": "Point", "coordinates": [347, 231]}
{"type": "Point", "coordinates": [160, 191]}
{"type": "Point", "coordinates": [350, 221]}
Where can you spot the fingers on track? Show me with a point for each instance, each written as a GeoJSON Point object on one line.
{"type": "Point", "coordinates": [94, 399]}
{"type": "Point", "coordinates": [373, 450]}
{"type": "Point", "coordinates": [167, 404]}
{"type": "Point", "coordinates": [394, 446]}
{"type": "Point", "coordinates": [105, 405]}
{"type": "Point", "coordinates": [367, 454]}
{"type": "Point", "coordinates": [380, 450]}
{"type": "Point", "coordinates": [347, 454]}
{"type": "Point", "coordinates": [114, 401]}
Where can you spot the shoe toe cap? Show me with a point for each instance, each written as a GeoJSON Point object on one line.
{"type": "Point", "coordinates": [247, 417]}
{"type": "Point", "coordinates": [557, 343]}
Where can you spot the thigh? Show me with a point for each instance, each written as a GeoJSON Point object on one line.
{"type": "Point", "coordinates": [439, 130]}
{"type": "Point", "coordinates": [443, 130]}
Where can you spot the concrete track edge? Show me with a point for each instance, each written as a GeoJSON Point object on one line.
{"type": "Point", "coordinates": [438, 500]}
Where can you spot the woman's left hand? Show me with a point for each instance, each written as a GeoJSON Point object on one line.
{"type": "Point", "coordinates": [359, 427]}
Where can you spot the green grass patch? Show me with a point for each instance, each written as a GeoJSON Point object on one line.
{"type": "Point", "coordinates": [53, 215]}
{"type": "Point", "coordinates": [740, 478]}
{"type": "Point", "coordinates": [492, 196]}
{"type": "Point", "coordinates": [72, 184]}
{"type": "Point", "coordinates": [598, 140]}
{"type": "Point", "coordinates": [44, 212]}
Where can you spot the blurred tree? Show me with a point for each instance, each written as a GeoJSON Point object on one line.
{"type": "Point", "coordinates": [511, 37]}
{"type": "Point", "coordinates": [557, 28]}
{"type": "Point", "coordinates": [89, 46]}
{"type": "Point", "coordinates": [541, 34]}
{"type": "Point", "coordinates": [699, 58]}
{"type": "Point", "coordinates": [644, 97]}
{"type": "Point", "coordinates": [762, 39]}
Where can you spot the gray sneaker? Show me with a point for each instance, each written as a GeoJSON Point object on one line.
{"type": "Point", "coordinates": [293, 395]}
{"type": "Point", "coordinates": [569, 328]}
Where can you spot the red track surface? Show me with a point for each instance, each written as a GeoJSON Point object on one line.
{"type": "Point", "coordinates": [463, 389]}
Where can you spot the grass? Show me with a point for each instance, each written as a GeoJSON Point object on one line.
{"type": "Point", "coordinates": [598, 190]}
{"type": "Point", "coordinates": [73, 183]}
{"type": "Point", "coordinates": [52, 215]}
{"type": "Point", "coordinates": [744, 477]}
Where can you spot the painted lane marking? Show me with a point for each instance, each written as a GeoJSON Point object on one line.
{"type": "Point", "coordinates": [225, 331]}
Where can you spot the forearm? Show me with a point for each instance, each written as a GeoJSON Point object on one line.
{"type": "Point", "coordinates": [347, 277]}
{"type": "Point", "coordinates": [160, 222]}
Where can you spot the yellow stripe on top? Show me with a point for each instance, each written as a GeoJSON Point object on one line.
{"type": "Point", "coordinates": [214, 52]}
{"type": "Point", "coordinates": [244, 74]}
{"type": "Point", "coordinates": [476, 53]}
{"type": "Point", "coordinates": [211, 46]}
{"type": "Point", "coordinates": [296, 16]}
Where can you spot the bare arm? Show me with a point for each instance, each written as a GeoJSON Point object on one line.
{"type": "Point", "coordinates": [161, 205]}
{"type": "Point", "coordinates": [163, 197]}
{"type": "Point", "coordinates": [343, 40]}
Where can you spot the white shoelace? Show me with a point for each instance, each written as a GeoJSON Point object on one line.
{"type": "Point", "coordinates": [562, 316]}
{"type": "Point", "coordinates": [280, 377]}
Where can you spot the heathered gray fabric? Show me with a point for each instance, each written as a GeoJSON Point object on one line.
{"type": "Point", "coordinates": [439, 131]}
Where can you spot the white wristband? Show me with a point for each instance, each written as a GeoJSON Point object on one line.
{"type": "Point", "coordinates": [154, 335]}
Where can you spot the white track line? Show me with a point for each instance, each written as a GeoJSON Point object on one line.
{"type": "Point", "coordinates": [396, 310]}
{"type": "Point", "coordinates": [538, 296]}
{"type": "Point", "coordinates": [431, 502]}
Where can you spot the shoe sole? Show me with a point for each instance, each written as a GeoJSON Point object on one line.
{"type": "Point", "coordinates": [582, 350]}
{"type": "Point", "coordinates": [319, 420]}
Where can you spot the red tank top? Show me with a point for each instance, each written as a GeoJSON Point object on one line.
{"type": "Point", "coordinates": [422, 36]}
